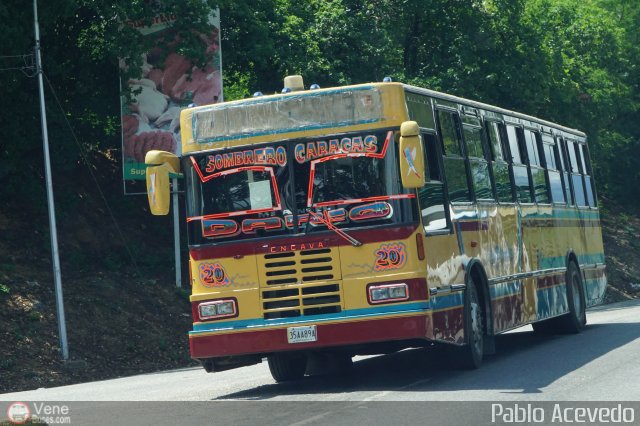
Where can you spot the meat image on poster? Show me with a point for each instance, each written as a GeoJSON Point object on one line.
{"type": "Point", "coordinates": [169, 83]}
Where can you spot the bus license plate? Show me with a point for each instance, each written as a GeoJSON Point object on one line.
{"type": "Point", "coordinates": [302, 334]}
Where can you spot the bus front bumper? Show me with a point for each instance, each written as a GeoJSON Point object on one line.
{"type": "Point", "coordinates": [227, 343]}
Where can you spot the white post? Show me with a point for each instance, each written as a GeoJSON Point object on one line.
{"type": "Point", "coordinates": [62, 328]}
{"type": "Point", "coordinates": [176, 233]}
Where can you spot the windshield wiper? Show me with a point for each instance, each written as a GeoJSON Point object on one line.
{"type": "Point", "coordinates": [334, 228]}
{"type": "Point", "coordinates": [327, 222]}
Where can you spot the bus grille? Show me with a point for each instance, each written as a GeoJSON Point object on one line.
{"type": "Point", "coordinates": [300, 283]}
{"type": "Point", "coordinates": [299, 300]}
{"type": "Point", "coordinates": [297, 267]}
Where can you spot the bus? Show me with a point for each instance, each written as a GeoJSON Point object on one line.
{"type": "Point", "coordinates": [371, 218]}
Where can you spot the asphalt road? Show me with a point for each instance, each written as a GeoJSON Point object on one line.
{"type": "Point", "coordinates": [600, 364]}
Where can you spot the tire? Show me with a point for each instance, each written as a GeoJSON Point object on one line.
{"type": "Point", "coordinates": [575, 320]}
{"type": "Point", "coordinates": [470, 355]}
{"type": "Point", "coordinates": [286, 367]}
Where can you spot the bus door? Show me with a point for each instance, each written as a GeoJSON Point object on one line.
{"type": "Point", "coordinates": [440, 245]}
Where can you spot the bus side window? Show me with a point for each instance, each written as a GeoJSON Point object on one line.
{"type": "Point", "coordinates": [588, 173]}
{"type": "Point", "coordinates": [499, 164]}
{"type": "Point", "coordinates": [576, 173]}
{"type": "Point", "coordinates": [520, 172]}
{"type": "Point", "coordinates": [472, 133]}
{"type": "Point", "coordinates": [561, 157]}
{"type": "Point", "coordinates": [455, 170]}
{"type": "Point", "coordinates": [553, 173]}
{"type": "Point", "coordinates": [434, 174]}
{"type": "Point", "coordinates": [431, 196]}
{"type": "Point", "coordinates": [540, 190]}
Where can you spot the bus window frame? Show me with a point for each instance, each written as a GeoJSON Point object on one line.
{"type": "Point", "coordinates": [448, 230]}
{"type": "Point", "coordinates": [522, 152]}
{"type": "Point", "coordinates": [534, 132]}
{"type": "Point", "coordinates": [574, 143]}
{"type": "Point", "coordinates": [589, 172]}
{"type": "Point", "coordinates": [506, 158]}
{"type": "Point", "coordinates": [469, 160]}
{"type": "Point", "coordinates": [553, 144]}
{"type": "Point", "coordinates": [537, 140]}
{"type": "Point", "coordinates": [566, 171]}
{"type": "Point", "coordinates": [458, 129]}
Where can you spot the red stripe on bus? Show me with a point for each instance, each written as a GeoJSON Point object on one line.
{"type": "Point", "coordinates": [448, 325]}
{"type": "Point", "coordinates": [550, 281]}
{"type": "Point", "coordinates": [474, 225]}
{"type": "Point", "coordinates": [507, 312]}
{"type": "Point", "coordinates": [328, 240]}
{"type": "Point", "coordinates": [336, 334]}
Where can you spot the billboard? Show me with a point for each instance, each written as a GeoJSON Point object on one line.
{"type": "Point", "coordinates": [169, 83]}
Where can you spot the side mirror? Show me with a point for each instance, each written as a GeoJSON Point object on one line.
{"type": "Point", "coordinates": [411, 155]}
{"type": "Point", "coordinates": [160, 165]}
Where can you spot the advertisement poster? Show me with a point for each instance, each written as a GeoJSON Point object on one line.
{"type": "Point", "coordinates": [168, 84]}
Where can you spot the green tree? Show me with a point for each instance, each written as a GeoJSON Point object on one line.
{"type": "Point", "coordinates": [570, 61]}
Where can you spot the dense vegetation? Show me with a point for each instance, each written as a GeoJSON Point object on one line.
{"type": "Point", "coordinates": [570, 61]}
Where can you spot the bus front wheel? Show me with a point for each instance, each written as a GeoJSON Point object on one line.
{"type": "Point", "coordinates": [469, 356]}
{"type": "Point", "coordinates": [286, 367]}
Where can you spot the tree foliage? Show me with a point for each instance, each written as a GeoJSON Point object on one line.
{"type": "Point", "coordinates": [570, 61]}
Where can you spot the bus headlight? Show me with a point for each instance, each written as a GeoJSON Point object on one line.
{"type": "Point", "coordinates": [217, 309]}
{"type": "Point", "coordinates": [388, 293]}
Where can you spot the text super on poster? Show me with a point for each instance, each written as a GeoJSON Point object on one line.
{"type": "Point", "coordinates": [169, 83]}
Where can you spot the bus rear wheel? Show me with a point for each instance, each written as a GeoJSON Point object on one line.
{"type": "Point", "coordinates": [574, 321]}
{"type": "Point", "coordinates": [470, 355]}
{"type": "Point", "coordinates": [286, 367]}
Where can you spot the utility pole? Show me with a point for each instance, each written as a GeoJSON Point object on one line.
{"type": "Point", "coordinates": [176, 233]}
{"type": "Point", "coordinates": [62, 328]}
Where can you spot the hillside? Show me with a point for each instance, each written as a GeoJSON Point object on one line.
{"type": "Point", "coordinates": [125, 318]}
{"type": "Point", "coordinates": [122, 318]}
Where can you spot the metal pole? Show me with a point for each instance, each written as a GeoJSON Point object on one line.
{"type": "Point", "coordinates": [220, 52]}
{"type": "Point", "coordinates": [62, 328]}
{"type": "Point", "coordinates": [176, 233]}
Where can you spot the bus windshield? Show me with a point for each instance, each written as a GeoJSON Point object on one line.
{"type": "Point", "coordinates": [344, 179]}
{"type": "Point", "coordinates": [252, 189]}
{"type": "Point", "coordinates": [351, 181]}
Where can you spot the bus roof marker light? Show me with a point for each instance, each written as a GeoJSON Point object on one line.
{"type": "Point", "coordinates": [387, 79]}
{"type": "Point", "coordinates": [257, 94]}
{"type": "Point", "coordinates": [294, 83]}
{"type": "Point", "coordinates": [314, 86]}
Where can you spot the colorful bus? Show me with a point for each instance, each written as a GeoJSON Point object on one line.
{"type": "Point", "coordinates": [328, 223]}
